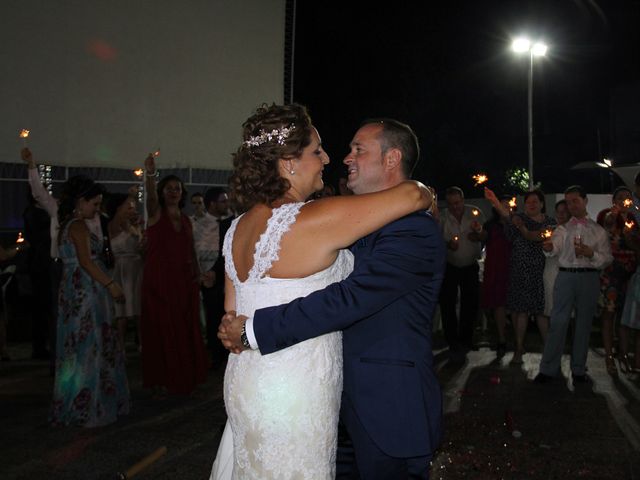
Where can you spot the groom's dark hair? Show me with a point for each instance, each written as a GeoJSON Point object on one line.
{"type": "Point", "coordinates": [395, 134]}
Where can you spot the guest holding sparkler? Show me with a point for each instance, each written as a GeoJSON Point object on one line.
{"type": "Point", "coordinates": [622, 229]}
{"type": "Point", "coordinates": [583, 249]}
{"type": "Point", "coordinates": [525, 295]}
{"type": "Point", "coordinates": [49, 204]}
{"type": "Point", "coordinates": [461, 226]}
{"type": "Point", "coordinates": [493, 297]}
{"type": "Point", "coordinates": [173, 353]}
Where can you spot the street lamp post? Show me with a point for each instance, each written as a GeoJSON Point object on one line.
{"type": "Point", "coordinates": [538, 49]}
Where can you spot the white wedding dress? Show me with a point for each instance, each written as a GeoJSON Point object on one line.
{"type": "Point", "coordinates": [283, 408]}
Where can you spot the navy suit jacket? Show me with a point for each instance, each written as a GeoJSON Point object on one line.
{"type": "Point", "coordinates": [385, 310]}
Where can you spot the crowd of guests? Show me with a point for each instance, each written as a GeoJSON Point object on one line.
{"type": "Point", "coordinates": [97, 269]}
{"type": "Point", "coordinates": [558, 271]}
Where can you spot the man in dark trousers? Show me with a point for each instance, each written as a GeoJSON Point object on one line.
{"type": "Point", "coordinates": [36, 232]}
{"type": "Point", "coordinates": [216, 202]}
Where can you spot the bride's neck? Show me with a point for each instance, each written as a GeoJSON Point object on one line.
{"type": "Point", "coordinates": [291, 196]}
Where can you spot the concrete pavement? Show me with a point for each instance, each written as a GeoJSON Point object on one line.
{"type": "Point", "coordinates": [561, 431]}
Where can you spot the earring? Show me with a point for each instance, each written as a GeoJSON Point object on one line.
{"type": "Point", "coordinates": [292, 172]}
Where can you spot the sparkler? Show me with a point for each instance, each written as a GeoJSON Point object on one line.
{"type": "Point", "coordinates": [156, 153]}
{"type": "Point", "coordinates": [456, 238]}
{"type": "Point", "coordinates": [20, 238]}
{"type": "Point", "coordinates": [475, 212]}
{"type": "Point", "coordinates": [627, 202]}
{"type": "Point", "coordinates": [512, 203]}
{"type": "Point", "coordinates": [480, 178]}
{"type": "Point", "coordinates": [138, 172]}
{"type": "Point", "coordinates": [628, 225]}
{"type": "Point", "coordinates": [547, 233]}
{"type": "Point", "coordinates": [24, 134]}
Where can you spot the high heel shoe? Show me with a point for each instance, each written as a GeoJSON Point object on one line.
{"type": "Point", "coordinates": [624, 363]}
{"type": "Point", "coordinates": [517, 357]}
{"type": "Point", "coordinates": [611, 365]}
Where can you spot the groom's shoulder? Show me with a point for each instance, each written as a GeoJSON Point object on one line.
{"type": "Point", "coordinates": [420, 222]}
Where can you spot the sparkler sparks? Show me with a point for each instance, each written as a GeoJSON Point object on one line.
{"type": "Point", "coordinates": [480, 178]}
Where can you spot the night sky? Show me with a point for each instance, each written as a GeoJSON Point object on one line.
{"type": "Point", "coordinates": [446, 69]}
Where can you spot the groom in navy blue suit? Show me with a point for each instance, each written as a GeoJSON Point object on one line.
{"type": "Point", "coordinates": [391, 412]}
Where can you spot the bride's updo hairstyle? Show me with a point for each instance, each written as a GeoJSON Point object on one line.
{"type": "Point", "coordinates": [274, 132]}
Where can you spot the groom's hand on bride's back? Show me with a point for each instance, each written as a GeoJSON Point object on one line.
{"type": "Point", "coordinates": [230, 330]}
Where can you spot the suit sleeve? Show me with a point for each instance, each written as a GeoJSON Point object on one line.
{"type": "Point", "coordinates": [406, 254]}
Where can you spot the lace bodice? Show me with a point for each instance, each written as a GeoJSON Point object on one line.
{"type": "Point", "coordinates": [268, 246]}
{"type": "Point", "coordinates": [259, 290]}
{"type": "Point", "coordinates": [283, 407]}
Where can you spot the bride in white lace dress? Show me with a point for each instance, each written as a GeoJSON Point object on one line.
{"type": "Point", "coordinates": [283, 408]}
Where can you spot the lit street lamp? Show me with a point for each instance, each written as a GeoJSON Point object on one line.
{"type": "Point", "coordinates": [538, 49]}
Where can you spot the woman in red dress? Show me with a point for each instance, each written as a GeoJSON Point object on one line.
{"type": "Point", "coordinates": [493, 298]}
{"type": "Point", "coordinates": [173, 352]}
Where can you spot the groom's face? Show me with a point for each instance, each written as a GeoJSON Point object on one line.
{"type": "Point", "coordinates": [365, 164]}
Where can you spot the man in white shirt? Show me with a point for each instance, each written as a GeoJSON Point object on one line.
{"type": "Point", "coordinates": [583, 250]}
{"type": "Point", "coordinates": [460, 225]}
{"type": "Point", "coordinates": [206, 233]}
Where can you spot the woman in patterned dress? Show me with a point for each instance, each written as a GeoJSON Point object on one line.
{"type": "Point", "coordinates": [620, 225]}
{"type": "Point", "coordinates": [90, 387]}
{"type": "Point", "coordinates": [525, 295]}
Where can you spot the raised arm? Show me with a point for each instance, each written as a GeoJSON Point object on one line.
{"type": "Point", "coordinates": [495, 203]}
{"type": "Point", "coordinates": [42, 196]}
{"type": "Point", "coordinates": [150, 186]}
{"type": "Point", "coordinates": [336, 222]}
{"type": "Point", "coordinates": [79, 235]}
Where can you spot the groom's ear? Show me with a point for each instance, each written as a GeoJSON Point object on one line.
{"type": "Point", "coordinates": [392, 159]}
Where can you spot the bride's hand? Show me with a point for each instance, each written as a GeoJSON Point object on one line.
{"type": "Point", "coordinates": [229, 331]}
{"type": "Point", "coordinates": [427, 195]}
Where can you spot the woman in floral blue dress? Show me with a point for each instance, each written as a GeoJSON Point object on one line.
{"type": "Point", "coordinates": [90, 386]}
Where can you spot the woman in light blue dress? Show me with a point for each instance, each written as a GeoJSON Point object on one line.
{"type": "Point", "coordinates": [90, 386]}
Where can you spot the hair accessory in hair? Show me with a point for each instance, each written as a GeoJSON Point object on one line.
{"type": "Point", "coordinates": [280, 134]}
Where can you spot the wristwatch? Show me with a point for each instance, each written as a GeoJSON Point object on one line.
{"type": "Point", "coordinates": [243, 336]}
